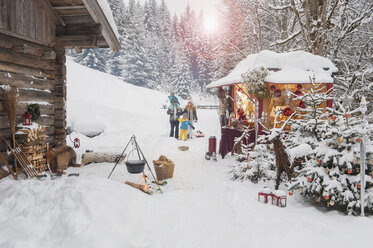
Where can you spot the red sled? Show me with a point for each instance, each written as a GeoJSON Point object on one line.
{"type": "Point", "coordinates": [198, 134]}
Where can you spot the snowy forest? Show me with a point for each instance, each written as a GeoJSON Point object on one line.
{"type": "Point", "coordinates": [163, 51]}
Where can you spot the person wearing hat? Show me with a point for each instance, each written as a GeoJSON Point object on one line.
{"type": "Point", "coordinates": [173, 97]}
{"type": "Point", "coordinates": [174, 111]}
{"type": "Point", "coordinates": [184, 124]}
{"type": "Point", "coordinates": [191, 112]}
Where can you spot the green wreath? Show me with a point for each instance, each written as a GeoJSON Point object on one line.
{"type": "Point", "coordinates": [34, 110]}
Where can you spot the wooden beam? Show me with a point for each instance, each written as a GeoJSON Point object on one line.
{"type": "Point", "coordinates": [79, 30]}
{"type": "Point", "coordinates": [98, 16]}
{"type": "Point", "coordinates": [22, 37]}
{"type": "Point", "coordinates": [70, 7]}
{"type": "Point", "coordinates": [65, 2]}
{"type": "Point", "coordinates": [81, 42]}
{"type": "Point", "coordinates": [52, 12]}
{"type": "Point", "coordinates": [6, 66]}
{"type": "Point", "coordinates": [78, 19]}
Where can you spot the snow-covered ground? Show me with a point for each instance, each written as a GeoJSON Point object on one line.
{"type": "Point", "coordinates": [200, 206]}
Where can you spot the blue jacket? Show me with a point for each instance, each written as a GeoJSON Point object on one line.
{"type": "Point", "coordinates": [184, 123]}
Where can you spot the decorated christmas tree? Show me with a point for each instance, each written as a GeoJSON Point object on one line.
{"type": "Point", "coordinates": [331, 173]}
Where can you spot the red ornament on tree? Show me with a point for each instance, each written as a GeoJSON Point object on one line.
{"type": "Point", "coordinates": [334, 117]}
{"type": "Point", "coordinates": [298, 93]}
{"type": "Point", "coordinates": [287, 111]}
{"type": "Point", "coordinates": [277, 93]}
{"type": "Point", "coordinates": [27, 119]}
{"type": "Point", "coordinates": [272, 88]}
{"type": "Point", "coordinates": [302, 105]}
{"type": "Point", "coordinates": [299, 86]}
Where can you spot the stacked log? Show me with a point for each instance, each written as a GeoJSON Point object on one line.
{"type": "Point", "coordinates": [34, 146]}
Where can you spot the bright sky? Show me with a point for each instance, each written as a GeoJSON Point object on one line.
{"type": "Point", "coordinates": [178, 6]}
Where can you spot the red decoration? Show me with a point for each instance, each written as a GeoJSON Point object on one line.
{"type": "Point", "coordinates": [27, 119]}
{"type": "Point", "coordinates": [277, 93]}
{"type": "Point", "coordinates": [326, 197]}
{"type": "Point", "coordinates": [287, 111]}
{"type": "Point", "coordinates": [302, 105]}
{"type": "Point", "coordinates": [319, 161]}
{"type": "Point", "coordinates": [298, 93]}
{"type": "Point", "coordinates": [264, 195]}
{"type": "Point", "coordinates": [76, 143]}
{"type": "Point", "coordinates": [309, 179]}
{"type": "Point", "coordinates": [290, 193]}
{"type": "Point", "coordinates": [334, 117]}
{"type": "Point", "coordinates": [358, 140]}
{"type": "Point", "coordinates": [241, 114]}
{"type": "Point", "coordinates": [358, 186]}
{"type": "Point", "coordinates": [299, 86]}
{"type": "Point", "coordinates": [348, 115]}
{"type": "Point", "coordinates": [272, 88]}
{"type": "Point", "coordinates": [349, 171]}
{"type": "Point", "coordinates": [279, 201]}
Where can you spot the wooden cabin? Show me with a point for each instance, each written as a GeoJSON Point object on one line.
{"type": "Point", "coordinates": [33, 37]}
{"type": "Point", "coordinates": [287, 72]}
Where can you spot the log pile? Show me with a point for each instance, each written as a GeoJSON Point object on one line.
{"type": "Point", "coordinates": [34, 146]}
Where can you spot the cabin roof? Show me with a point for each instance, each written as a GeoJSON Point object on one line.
{"type": "Point", "coordinates": [292, 67]}
{"type": "Point", "coordinates": [84, 23]}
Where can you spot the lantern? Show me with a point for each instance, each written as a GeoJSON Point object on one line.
{"type": "Point", "coordinates": [287, 111]}
{"type": "Point", "coordinates": [27, 119]}
{"type": "Point", "coordinates": [76, 143]}
{"type": "Point", "coordinates": [279, 199]}
{"type": "Point", "coordinates": [299, 86]}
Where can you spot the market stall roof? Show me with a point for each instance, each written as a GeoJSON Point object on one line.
{"type": "Point", "coordinates": [292, 67]}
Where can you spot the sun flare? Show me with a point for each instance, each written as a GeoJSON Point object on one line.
{"type": "Point", "coordinates": [210, 24]}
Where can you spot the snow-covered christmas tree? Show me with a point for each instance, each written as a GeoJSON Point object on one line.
{"type": "Point", "coordinates": [331, 173]}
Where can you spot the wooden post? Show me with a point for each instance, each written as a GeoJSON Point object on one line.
{"type": "Point", "coordinates": [60, 98]}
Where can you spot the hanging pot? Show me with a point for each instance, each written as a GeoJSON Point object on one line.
{"type": "Point", "coordinates": [135, 166]}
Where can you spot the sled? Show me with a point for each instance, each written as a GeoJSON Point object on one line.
{"type": "Point", "coordinates": [198, 134]}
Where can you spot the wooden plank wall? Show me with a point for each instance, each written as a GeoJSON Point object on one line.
{"type": "Point", "coordinates": [33, 69]}
{"type": "Point", "coordinates": [27, 18]}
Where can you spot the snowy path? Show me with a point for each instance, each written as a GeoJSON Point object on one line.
{"type": "Point", "coordinates": [200, 206]}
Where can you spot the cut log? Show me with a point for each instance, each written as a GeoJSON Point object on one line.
{"type": "Point", "coordinates": [137, 186]}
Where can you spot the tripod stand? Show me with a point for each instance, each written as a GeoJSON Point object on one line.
{"type": "Point", "coordinates": [139, 151]}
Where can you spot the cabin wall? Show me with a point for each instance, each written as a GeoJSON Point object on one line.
{"type": "Point", "coordinates": [27, 19]}
{"type": "Point", "coordinates": [39, 73]}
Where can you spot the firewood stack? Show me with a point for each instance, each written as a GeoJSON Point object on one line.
{"type": "Point", "coordinates": [34, 146]}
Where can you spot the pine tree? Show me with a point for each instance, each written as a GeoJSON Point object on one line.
{"type": "Point", "coordinates": [331, 173]}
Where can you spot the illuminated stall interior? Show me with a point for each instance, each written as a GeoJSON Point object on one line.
{"type": "Point", "coordinates": [288, 74]}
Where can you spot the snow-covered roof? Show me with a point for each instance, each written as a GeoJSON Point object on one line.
{"type": "Point", "coordinates": [291, 67]}
{"type": "Point", "coordinates": [105, 7]}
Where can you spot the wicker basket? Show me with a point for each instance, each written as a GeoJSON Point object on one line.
{"type": "Point", "coordinates": [164, 171]}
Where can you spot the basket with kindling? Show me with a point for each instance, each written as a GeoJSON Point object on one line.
{"type": "Point", "coordinates": [164, 168]}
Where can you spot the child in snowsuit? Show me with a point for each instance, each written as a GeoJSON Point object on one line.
{"type": "Point", "coordinates": [173, 97]}
{"type": "Point", "coordinates": [184, 124]}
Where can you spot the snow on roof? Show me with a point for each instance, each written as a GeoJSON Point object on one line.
{"type": "Point", "coordinates": [292, 67]}
{"type": "Point", "coordinates": [105, 7]}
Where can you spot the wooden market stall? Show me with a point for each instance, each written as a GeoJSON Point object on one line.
{"type": "Point", "coordinates": [33, 37]}
{"type": "Point", "coordinates": [286, 75]}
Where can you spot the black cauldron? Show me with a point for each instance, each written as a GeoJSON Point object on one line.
{"type": "Point", "coordinates": [135, 166]}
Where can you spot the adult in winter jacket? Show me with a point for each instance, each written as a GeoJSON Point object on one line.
{"type": "Point", "coordinates": [184, 125]}
{"type": "Point", "coordinates": [191, 112]}
{"type": "Point", "coordinates": [174, 111]}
